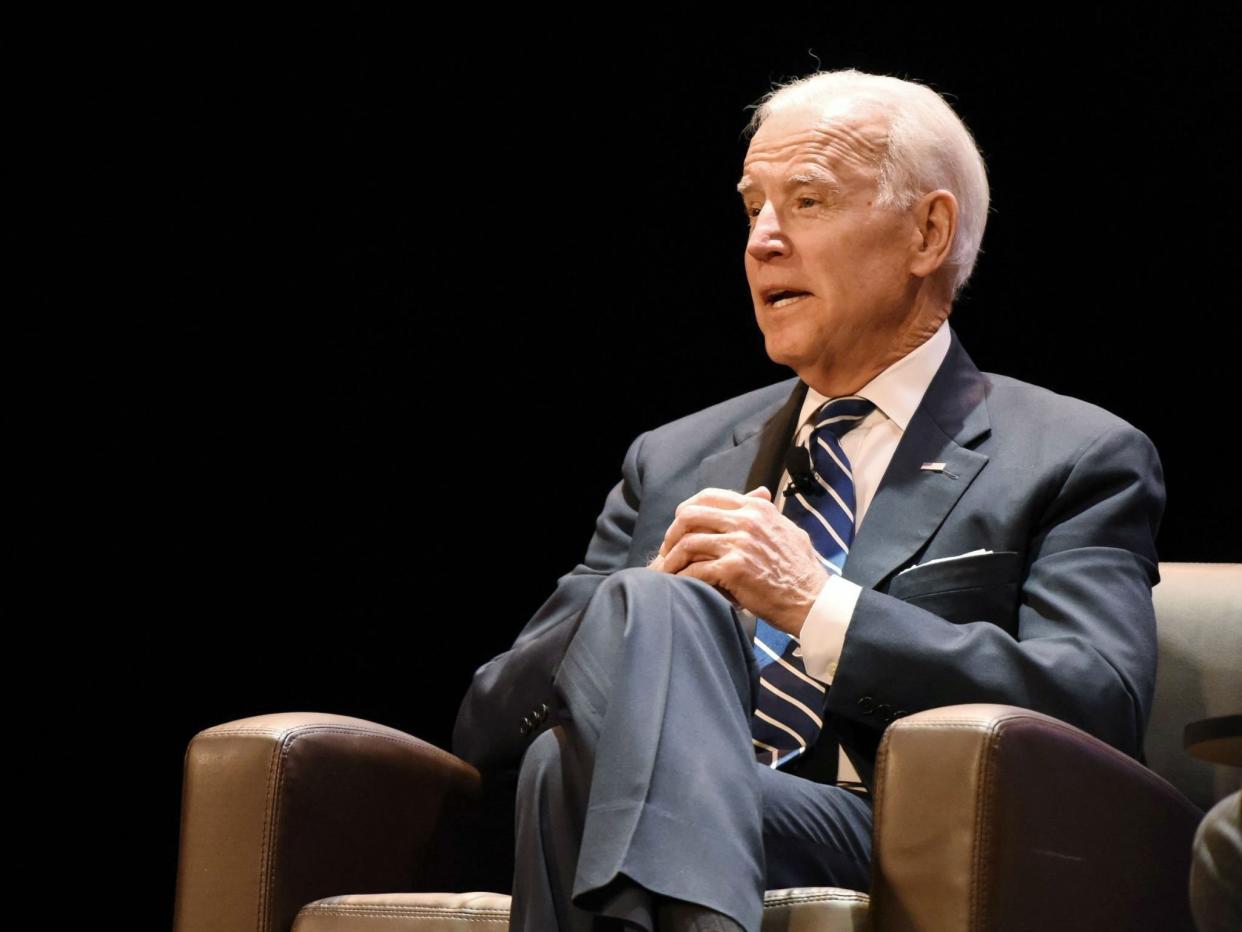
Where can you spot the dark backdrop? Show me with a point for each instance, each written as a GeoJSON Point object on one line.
{"type": "Point", "coordinates": [338, 332]}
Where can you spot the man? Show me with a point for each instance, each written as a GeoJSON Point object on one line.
{"type": "Point", "coordinates": [941, 536]}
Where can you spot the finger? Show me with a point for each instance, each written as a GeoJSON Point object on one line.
{"type": "Point", "coordinates": [693, 548]}
{"type": "Point", "coordinates": [709, 571]}
{"type": "Point", "coordinates": [719, 498]}
{"type": "Point", "coordinates": [711, 509]}
{"type": "Point", "coordinates": [701, 518]}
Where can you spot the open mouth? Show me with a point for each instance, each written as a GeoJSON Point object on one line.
{"type": "Point", "coordinates": [785, 297]}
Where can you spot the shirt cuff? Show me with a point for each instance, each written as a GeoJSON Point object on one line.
{"type": "Point", "coordinates": [823, 633]}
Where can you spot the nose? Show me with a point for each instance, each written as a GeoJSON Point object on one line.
{"type": "Point", "coordinates": [767, 240]}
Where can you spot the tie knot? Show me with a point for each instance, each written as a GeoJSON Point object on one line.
{"type": "Point", "coordinates": [842, 414]}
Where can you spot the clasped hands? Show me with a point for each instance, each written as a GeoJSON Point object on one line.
{"type": "Point", "coordinates": [751, 553]}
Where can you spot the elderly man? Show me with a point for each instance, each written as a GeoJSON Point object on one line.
{"type": "Point", "coordinates": [788, 571]}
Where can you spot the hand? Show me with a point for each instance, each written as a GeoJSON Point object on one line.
{"type": "Point", "coordinates": [751, 553]}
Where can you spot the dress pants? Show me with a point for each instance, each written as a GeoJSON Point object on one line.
{"type": "Point", "coordinates": [648, 785]}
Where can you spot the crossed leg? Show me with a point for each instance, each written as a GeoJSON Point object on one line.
{"type": "Point", "coordinates": [649, 786]}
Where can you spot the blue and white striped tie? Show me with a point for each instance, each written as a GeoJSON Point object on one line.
{"type": "Point", "coordinates": [790, 704]}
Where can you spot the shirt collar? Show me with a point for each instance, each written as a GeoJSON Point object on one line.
{"type": "Point", "coordinates": [897, 391]}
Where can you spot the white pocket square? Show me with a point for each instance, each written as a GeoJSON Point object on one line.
{"type": "Point", "coordinates": [960, 556]}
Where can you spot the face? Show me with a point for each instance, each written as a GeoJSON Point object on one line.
{"type": "Point", "coordinates": [829, 272]}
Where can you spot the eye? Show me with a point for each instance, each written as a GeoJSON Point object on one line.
{"type": "Point", "coordinates": [807, 201]}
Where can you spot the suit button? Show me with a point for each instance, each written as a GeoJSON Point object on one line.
{"type": "Point", "coordinates": [867, 704]}
{"type": "Point", "coordinates": [885, 712]}
{"type": "Point", "coordinates": [540, 713]}
{"type": "Point", "coordinates": [526, 725]}
{"type": "Point", "coordinates": [544, 709]}
{"type": "Point", "coordinates": [900, 713]}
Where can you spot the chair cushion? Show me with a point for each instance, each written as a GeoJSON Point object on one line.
{"type": "Point", "coordinates": [815, 909]}
{"type": "Point", "coordinates": [803, 909]}
{"type": "Point", "coordinates": [397, 912]}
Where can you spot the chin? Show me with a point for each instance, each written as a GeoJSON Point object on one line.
{"type": "Point", "coordinates": [781, 355]}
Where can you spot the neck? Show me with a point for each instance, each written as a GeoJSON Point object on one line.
{"type": "Point", "coordinates": [864, 361]}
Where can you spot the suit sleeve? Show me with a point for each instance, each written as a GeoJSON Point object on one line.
{"type": "Point", "coordinates": [1085, 648]}
{"type": "Point", "coordinates": [516, 685]}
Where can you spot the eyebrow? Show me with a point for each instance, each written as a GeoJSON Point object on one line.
{"type": "Point", "coordinates": [806, 176]}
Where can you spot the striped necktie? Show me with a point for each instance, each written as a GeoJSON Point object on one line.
{"type": "Point", "coordinates": [790, 704]}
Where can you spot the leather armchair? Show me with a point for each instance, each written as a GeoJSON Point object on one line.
{"type": "Point", "coordinates": [986, 817]}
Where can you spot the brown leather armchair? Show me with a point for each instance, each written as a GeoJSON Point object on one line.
{"type": "Point", "coordinates": [986, 817]}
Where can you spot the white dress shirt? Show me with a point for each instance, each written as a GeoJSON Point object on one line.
{"type": "Point", "coordinates": [869, 446]}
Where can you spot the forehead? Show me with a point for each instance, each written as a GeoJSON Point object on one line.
{"type": "Point", "coordinates": [847, 139]}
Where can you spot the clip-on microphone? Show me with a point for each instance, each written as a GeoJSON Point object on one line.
{"type": "Point", "coordinates": [801, 475]}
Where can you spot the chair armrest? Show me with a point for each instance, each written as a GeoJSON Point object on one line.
{"type": "Point", "coordinates": [991, 817]}
{"type": "Point", "coordinates": [279, 810]}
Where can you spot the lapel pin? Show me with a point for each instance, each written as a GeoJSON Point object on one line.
{"type": "Point", "coordinates": [937, 467]}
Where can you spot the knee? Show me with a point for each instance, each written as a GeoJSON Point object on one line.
{"type": "Point", "coordinates": [635, 579]}
{"type": "Point", "coordinates": [661, 608]}
{"type": "Point", "coordinates": [639, 581]}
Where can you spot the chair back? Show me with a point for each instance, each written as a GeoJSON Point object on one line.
{"type": "Point", "coordinates": [1198, 673]}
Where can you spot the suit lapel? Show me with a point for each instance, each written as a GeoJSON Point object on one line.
{"type": "Point", "coordinates": [911, 502]}
{"type": "Point", "coordinates": [758, 455]}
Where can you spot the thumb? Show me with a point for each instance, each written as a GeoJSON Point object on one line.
{"type": "Point", "coordinates": [761, 492]}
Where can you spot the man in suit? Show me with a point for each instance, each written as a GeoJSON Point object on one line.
{"type": "Point", "coordinates": [998, 546]}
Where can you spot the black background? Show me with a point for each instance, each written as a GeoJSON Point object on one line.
{"type": "Point", "coordinates": [336, 332]}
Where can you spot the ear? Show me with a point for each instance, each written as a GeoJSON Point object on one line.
{"type": "Point", "coordinates": [935, 225]}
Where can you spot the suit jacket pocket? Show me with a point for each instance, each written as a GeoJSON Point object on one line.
{"type": "Point", "coordinates": [983, 587]}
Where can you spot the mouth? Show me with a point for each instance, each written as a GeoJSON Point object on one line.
{"type": "Point", "coordinates": [783, 297]}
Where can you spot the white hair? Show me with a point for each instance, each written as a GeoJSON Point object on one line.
{"type": "Point", "coordinates": [929, 147]}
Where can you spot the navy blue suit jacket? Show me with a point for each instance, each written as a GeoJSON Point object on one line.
{"type": "Point", "coordinates": [1058, 618]}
